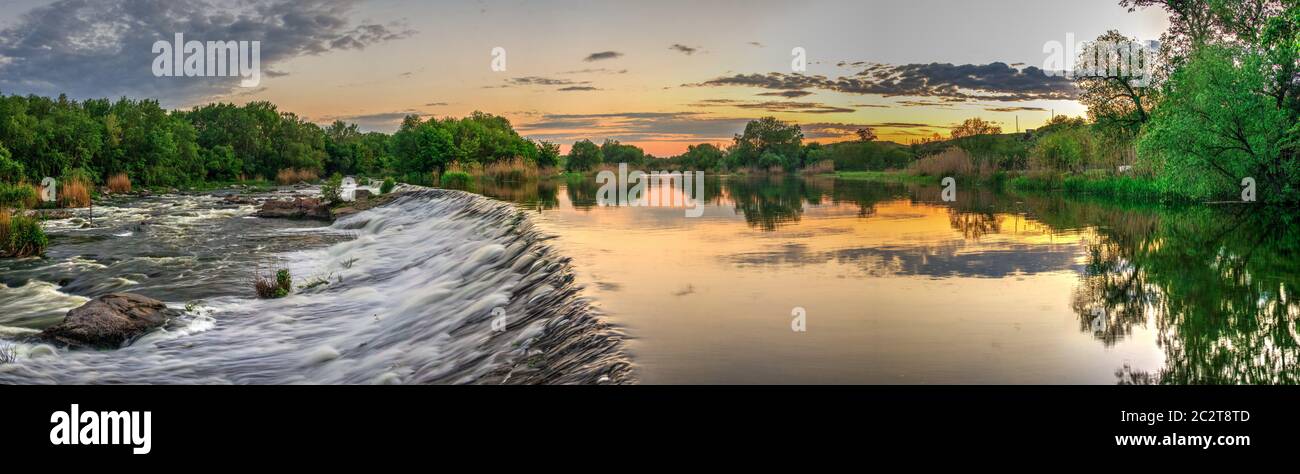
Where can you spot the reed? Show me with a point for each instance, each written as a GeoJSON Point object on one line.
{"type": "Point", "coordinates": [74, 192]}
{"type": "Point", "coordinates": [951, 162]}
{"type": "Point", "coordinates": [119, 183]}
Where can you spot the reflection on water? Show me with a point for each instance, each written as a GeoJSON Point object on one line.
{"type": "Point", "coordinates": [902, 288]}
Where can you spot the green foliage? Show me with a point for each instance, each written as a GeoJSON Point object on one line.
{"type": "Point", "coordinates": [767, 142]}
{"type": "Point", "coordinates": [548, 154]}
{"type": "Point", "coordinates": [17, 195]}
{"type": "Point", "coordinates": [10, 171]}
{"type": "Point", "coordinates": [584, 156]}
{"type": "Point", "coordinates": [21, 236]}
{"type": "Point", "coordinates": [388, 186]}
{"type": "Point", "coordinates": [1215, 128]}
{"type": "Point", "coordinates": [704, 156]}
{"type": "Point", "coordinates": [456, 180]}
{"type": "Point", "coordinates": [283, 279]}
{"type": "Point", "coordinates": [613, 152]}
{"type": "Point", "coordinates": [332, 189]}
{"type": "Point", "coordinates": [1069, 149]}
{"type": "Point", "coordinates": [861, 155]}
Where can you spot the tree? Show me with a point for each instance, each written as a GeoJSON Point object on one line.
{"type": "Point", "coordinates": [975, 127]}
{"type": "Point", "coordinates": [548, 154]}
{"type": "Point", "coordinates": [766, 135]}
{"type": "Point", "coordinates": [865, 134]}
{"type": "Point", "coordinates": [704, 156]}
{"type": "Point", "coordinates": [10, 171]}
{"type": "Point", "coordinates": [1217, 125]}
{"type": "Point", "coordinates": [584, 156]}
{"type": "Point", "coordinates": [1115, 102]}
{"type": "Point", "coordinates": [615, 152]}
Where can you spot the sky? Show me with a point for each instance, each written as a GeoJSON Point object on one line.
{"type": "Point", "coordinates": [658, 74]}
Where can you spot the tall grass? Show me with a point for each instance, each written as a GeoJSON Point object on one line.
{"type": "Point", "coordinates": [74, 192]}
{"type": "Point", "coordinates": [950, 162]}
{"type": "Point", "coordinates": [289, 176]}
{"type": "Point", "coordinates": [119, 183]}
{"type": "Point", "coordinates": [512, 170]}
{"type": "Point", "coordinates": [456, 180]}
{"type": "Point", "coordinates": [820, 167]}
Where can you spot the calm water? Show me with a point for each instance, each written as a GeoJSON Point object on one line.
{"type": "Point", "coordinates": [898, 287]}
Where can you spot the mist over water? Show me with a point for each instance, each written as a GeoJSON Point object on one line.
{"type": "Point", "coordinates": [403, 293]}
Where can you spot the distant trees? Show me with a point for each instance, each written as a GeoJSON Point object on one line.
{"type": "Point", "coordinates": [765, 143]}
{"type": "Point", "coordinates": [865, 134]}
{"type": "Point", "coordinates": [548, 154]}
{"type": "Point", "coordinates": [974, 127]}
{"type": "Point", "coordinates": [614, 152]}
{"type": "Point", "coordinates": [584, 156]}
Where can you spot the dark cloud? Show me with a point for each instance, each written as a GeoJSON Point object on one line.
{"type": "Point", "coordinates": [577, 88]}
{"type": "Point", "coordinates": [687, 50]}
{"type": "Point", "coordinates": [755, 44]}
{"type": "Point", "coordinates": [788, 94]}
{"type": "Point", "coordinates": [541, 81]}
{"type": "Point", "coordinates": [602, 56]}
{"type": "Point", "coordinates": [1015, 109]}
{"type": "Point", "coordinates": [775, 106]}
{"type": "Point", "coordinates": [435, 104]}
{"type": "Point", "coordinates": [104, 48]}
{"type": "Point", "coordinates": [994, 81]}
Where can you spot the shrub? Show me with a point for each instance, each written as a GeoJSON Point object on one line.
{"type": "Point", "coordinates": [388, 186]}
{"type": "Point", "coordinates": [119, 183]}
{"type": "Point", "coordinates": [21, 195]}
{"type": "Point", "coordinates": [74, 192]}
{"type": "Point", "coordinates": [456, 180]}
{"type": "Point", "coordinates": [278, 287]}
{"type": "Point", "coordinates": [951, 162]}
{"type": "Point", "coordinates": [332, 190]}
{"type": "Point", "coordinates": [21, 236]}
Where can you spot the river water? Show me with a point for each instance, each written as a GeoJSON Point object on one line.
{"type": "Point", "coordinates": [888, 283]}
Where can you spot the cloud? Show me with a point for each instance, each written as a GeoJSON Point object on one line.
{"type": "Point", "coordinates": [685, 127]}
{"type": "Point", "coordinates": [596, 71]}
{"type": "Point", "coordinates": [788, 94]}
{"type": "Point", "coordinates": [755, 44]}
{"type": "Point", "coordinates": [104, 48]}
{"type": "Point", "coordinates": [993, 81]}
{"type": "Point", "coordinates": [1015, 109]}
{"type": "Point", "coordinates": [687, 50]}
{"type": "Point", "coordinates": [831, 130]}
{"type": "Point", "coordinates": [386, 122]}
{"type": "Point", "coordinates": [541, 81]}
{"type": "Point", "coordinates": [435, 104]}
{"type": "Point", "coordinates": [775, 106]}
{"type": "Point", "coordinates": [577, 88]}
{"type": "Point", "coordinates": [602, 56]}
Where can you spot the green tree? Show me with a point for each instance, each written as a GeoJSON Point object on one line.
{"type": "Point", "coordinates": [548, 154]}
{"type": "Point", "coordinates": [763, 136]}
{"type": "Point", "coordinates": [584, 156]}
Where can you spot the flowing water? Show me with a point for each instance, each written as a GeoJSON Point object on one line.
{"type": "Point", "coordinates": [404, 293]}
{"type": "Point", "coordinates": [892, 286]}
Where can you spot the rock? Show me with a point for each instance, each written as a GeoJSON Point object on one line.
{"type": "Point", "coordinates": [299, 208]}
{"type": "Point", "coordinates": [109, 321]}
{"type": "Point", "coordinates": [361, 205]}
{"type": "Point", "coordinates": [363, 194]}
{"type": "Point", "coordinates": [237, 199]}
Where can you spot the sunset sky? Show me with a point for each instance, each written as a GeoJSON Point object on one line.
{"type": "Point", "coordinates": [660, 74]}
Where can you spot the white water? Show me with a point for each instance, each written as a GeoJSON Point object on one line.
{"type": "Point", "coordinates": [411, 290]}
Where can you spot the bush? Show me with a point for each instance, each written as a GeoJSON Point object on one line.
{"type": "Point", "coordinates": [21, 236]}
{"type": "Point", "coordinates": [332, 190]}
{"type": "Point", "coordinates": [388, 186]}
{"type": "Point", "coordinates": [820, 167]}
{"type": "Point", "coordinates": [278, 287]}
{"type": "Point", "coordinates": [119, 183]}
{"type": "Point", "coordinates": [456, 180]}
{"type": "Point", "coordinates": [21, 195]}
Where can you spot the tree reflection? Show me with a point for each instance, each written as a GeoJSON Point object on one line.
{"type": "Point", "coordinates": [1218, 285]}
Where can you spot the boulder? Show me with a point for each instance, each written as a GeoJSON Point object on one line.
{"type": "Point", "coordinates": [363, 194]}
{"type": "Point", "coordinates": [299, 208]}
{"type": "Point", "coordinates": [109, 321]}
